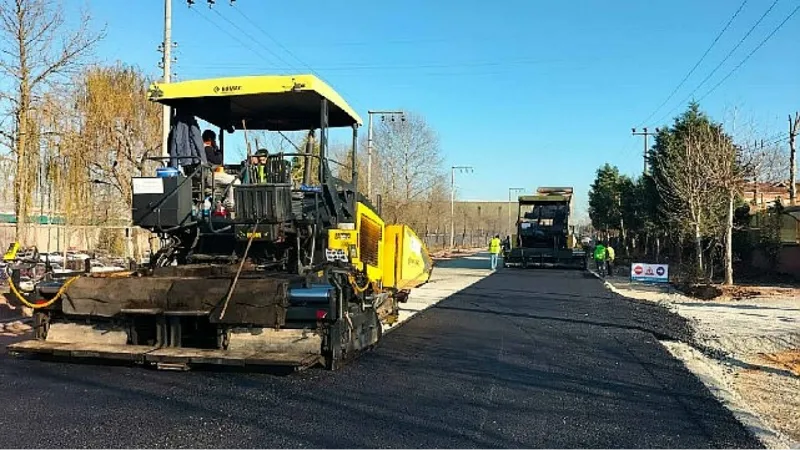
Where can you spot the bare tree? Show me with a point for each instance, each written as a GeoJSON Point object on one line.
{"type": "Point", "coordinates": [408, 162]}
{"type": "Point", "coordinates": [688, 194]}
{"type": "Point", "coordinates": [726, 167]}
{"type": "Point", "coordinates": [36, 52]}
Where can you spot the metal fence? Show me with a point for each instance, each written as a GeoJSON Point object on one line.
{"type": "Point", "coordinates": [438, 241]}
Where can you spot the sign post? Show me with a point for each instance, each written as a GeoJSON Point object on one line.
{"type": "Point", "coordinates": [650, 273]}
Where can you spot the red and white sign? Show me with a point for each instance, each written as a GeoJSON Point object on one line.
{"type": "Point", "coordinates": [657, 273]}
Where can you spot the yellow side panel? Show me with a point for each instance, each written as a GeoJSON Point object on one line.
{"type": "Point", "coordinates": [364, 244]}
{"type": "Point", "coordinates": [342, 240]}
{"type": "Point", "coordinates": [371, 231]}
{"type": "Point", "coordinates": [407, 263]}
{"type": "Point", "coordinates": [392, 241]}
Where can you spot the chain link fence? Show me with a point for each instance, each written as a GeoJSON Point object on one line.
{"type": "Point", "coordinates": [469, 239]}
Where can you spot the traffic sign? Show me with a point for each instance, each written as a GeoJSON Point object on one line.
{"type": "Point", "coordinates": [650, 273]}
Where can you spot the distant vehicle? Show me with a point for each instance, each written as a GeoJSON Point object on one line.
{"type": "Point", "coordinates": [78, 256]}
{"type": "Point", "coordinates": [545, 236]}
{"type": "Point", "coordinates": [26, 254]}
{"type": "Point", "coordinates": [98, 267]}
{"type": "Point", "coordinates": [53, 257]}
{"type": "Point", "coordinates": [59, 269]}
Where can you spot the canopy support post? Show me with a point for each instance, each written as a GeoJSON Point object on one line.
{"type": "Point", "coordinates": [354, 177]}
{"type": "Point", "coordinates": [308, 158]}
{"type": "Point", "coordinates": [323, 141]}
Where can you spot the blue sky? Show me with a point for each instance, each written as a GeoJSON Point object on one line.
{"type": "Point", "coordinates": [528, 92]}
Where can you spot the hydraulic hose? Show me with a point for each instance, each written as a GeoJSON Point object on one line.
{"type": "Point", "coordinates": [25, 302]}
{"type": "Point", "coordinates": [355, 285]}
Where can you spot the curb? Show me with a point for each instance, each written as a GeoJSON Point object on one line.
{"type": "Point", "coordinates": [606, 283]}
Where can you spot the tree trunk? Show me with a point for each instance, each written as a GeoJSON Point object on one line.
{"type": "Point", "coordinates": [658, 249]}
{"type": "Point", "coordinates": [21, 188]}
{"type": "Point", "coordinates": [698, 248]}
{"type": "Point", "coordinates": [623, 241]}
{"type": "Point", "coordinates": [728, 257]}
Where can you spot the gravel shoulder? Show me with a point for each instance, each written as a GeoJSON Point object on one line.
{"type": "Point", "coordinates": [744, 348]}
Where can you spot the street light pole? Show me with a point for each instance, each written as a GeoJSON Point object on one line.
{"type": "Point", "coordinates": [510, 191]}
{"type": "Point", "coordinates": [369, 142]}
{"type": "Point", "coordinates": [453, 201]}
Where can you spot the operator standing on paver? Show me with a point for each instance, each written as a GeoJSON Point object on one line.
{"type": "Point", "coordinates": [494, 250]}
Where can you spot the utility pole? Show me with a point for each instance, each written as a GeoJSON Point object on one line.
{"type": "Point", "coordinates": [757, 170]}
{"type": "Point", "coordinates": [793, 126]}
{"type": "Point", "coordinates": [644, 133]}
{"type": "Point", "coordinates": [384, 114]}
{"type": "Point", "coordinates": [453, 201]}
{"type": "Point", "coordinates": [510, 192]}
{"type": "Point", "coordinates": [166, 64]}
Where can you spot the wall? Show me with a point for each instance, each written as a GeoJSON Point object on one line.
{"type": "Point", "coordinates": [788, 260]}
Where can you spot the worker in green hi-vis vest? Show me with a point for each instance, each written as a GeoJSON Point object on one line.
{"type": "Point", "coordinates": [257, 172]}
{"type": "Point", "coordinates": [600, 257]}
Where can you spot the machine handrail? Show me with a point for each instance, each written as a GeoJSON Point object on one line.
{"type": "Point", "coordinates": [164, 159]}
{"type": "Point", "coordinates": [305, 155]}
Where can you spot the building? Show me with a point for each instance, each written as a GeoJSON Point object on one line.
{"type": "Point", "coordinates": [762, 195]}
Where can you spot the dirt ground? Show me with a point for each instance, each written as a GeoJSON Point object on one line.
{"type": "Point", "coordinates": [750, 337]}
{"type": "Point", "coordinates": [14, 328]}
{"type": "Point", "coordinates": [10, 308]}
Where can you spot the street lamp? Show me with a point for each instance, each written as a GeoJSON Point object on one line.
{"type": "Point", "coordinates": [384, 115]}
{"type": "Point", "coordinates": [511, 191]}
{"type": "Point", "coordinates": [463, 169]}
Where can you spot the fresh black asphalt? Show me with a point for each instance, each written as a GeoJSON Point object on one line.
{"type": "Point", "coordinates": [536, 358]}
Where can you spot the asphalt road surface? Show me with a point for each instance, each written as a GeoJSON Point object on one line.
{"type": "Point", "coordinates": [536, 358]}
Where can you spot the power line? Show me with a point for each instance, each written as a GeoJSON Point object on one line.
{"type": "Point", "coordinates": [234, 37]}
{"type": "Point", "coordinates": [251, 37]}
{"type": "Point", "coordinates": [404, 81]}
{"type": "Point", "coordinates": [289, 52]}
{"type": "Point", "coordinates": [275, 41]}
{"type": "Point", "coordinates": [741, 41]}
{"type": "Point", "coordinates": [352, 67]}
{"type": "Point", "coordinates": [714, 42]}
{"type": "Point", "coordinates": [387, 42]}
{"type": "Point", "coordinates": [761, 44]}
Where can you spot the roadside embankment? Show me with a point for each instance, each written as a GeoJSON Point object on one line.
{"type": "Point", "coordinates": [745, 349]}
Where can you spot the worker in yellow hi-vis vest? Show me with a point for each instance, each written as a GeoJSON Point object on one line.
{"type": "Point", "coordinates": [610, 259]}
{"type": "Point", "coordinates": [494, 250]}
